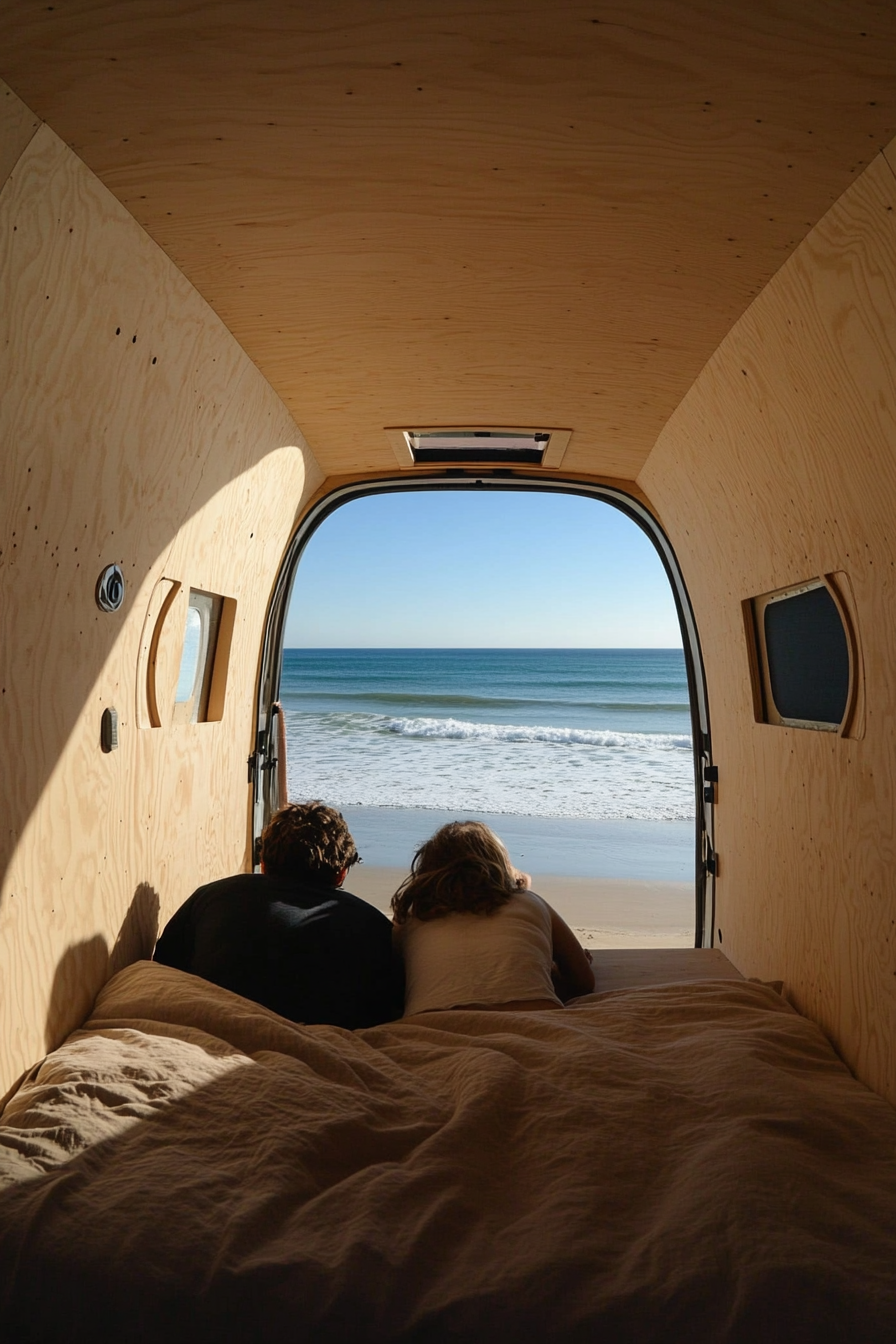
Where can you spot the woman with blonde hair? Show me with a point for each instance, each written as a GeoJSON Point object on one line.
{"type": "Point", "coordinates": [473, 935]}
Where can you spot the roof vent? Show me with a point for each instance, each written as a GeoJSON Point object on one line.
{"type": "Point", "coordinates": [509, 447]}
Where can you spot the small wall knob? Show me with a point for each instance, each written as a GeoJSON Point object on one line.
{"type": "Point", "coordinates": [109, 730]}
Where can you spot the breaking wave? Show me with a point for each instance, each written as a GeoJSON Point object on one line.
{"type": "Point", "coordinates": [459, 730]}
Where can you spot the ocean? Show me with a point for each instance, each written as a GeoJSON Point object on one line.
{"type": "Point", "coordinates": [597, 739]}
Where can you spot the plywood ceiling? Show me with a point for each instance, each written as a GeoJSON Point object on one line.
{"type": "Point", "coordinates": [522, 212]}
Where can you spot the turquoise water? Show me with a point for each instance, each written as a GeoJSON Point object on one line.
{"type": "Point", "coordinates": [592, 734]}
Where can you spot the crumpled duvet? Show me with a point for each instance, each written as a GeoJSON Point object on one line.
{"type": "Point", "coordinates": [675, 1163]}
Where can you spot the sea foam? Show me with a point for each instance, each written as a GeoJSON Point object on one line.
{"type": "Point", "coordinates": [458, 730]}
{"type": "Point", "coordinates": [587, 733]}
{"type": "Point", "coordinates": [372, 760]}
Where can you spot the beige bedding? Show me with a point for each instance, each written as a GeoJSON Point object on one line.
{"type": "Point", "coordinates": [681, 1163]}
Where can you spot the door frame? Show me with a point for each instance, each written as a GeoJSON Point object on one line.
{"type": "Point", "coordinates": [263, 762]}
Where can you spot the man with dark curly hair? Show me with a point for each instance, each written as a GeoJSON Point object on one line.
{"type": "Point", "coordinates": [289, 937]}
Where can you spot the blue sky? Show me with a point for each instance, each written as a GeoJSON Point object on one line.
{"type": "Point", "coordinates": [480, 569]}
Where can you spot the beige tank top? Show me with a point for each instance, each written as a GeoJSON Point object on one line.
{"type": "Point", "coordinates": [466, 959]}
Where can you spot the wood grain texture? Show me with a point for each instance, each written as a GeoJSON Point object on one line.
{"type": "Point", "coordinates": [17, 125]}
{"type": "Point", "coordinates": [506, 212]}
{"type": "Point", "coordinates": [217, 691]}
{"type": "Point", "coordinates": [781, 464]}
{"type": "Point", "coordinates": [134, 430]}
{"type": "Point", "coordinates": [148, 714]}
{"type": "Point", "coordinates": [510, 213]}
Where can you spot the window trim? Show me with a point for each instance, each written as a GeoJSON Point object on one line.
{"type": "Point", "coordinates": [765, 708]}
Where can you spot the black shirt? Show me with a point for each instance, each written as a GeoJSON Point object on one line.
{"type": "Point", "coordinates": [311, 953]}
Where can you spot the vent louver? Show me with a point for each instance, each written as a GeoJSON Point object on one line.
{"type": "Point", "coordinates": [509, 447]}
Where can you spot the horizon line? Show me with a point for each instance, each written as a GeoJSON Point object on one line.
{"type": "Point", "coordinates": [483, 648]}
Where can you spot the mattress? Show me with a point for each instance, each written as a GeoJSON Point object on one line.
{"type": "Point", "coordinates": [675, 1162]}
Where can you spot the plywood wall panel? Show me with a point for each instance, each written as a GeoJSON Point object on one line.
{"type": "Point", "coordinates": [17, 125]}
{"type": "Point", "coordinates": [780, 465]}
{"type": "Point", "coordinates": [509, 212]}
{"type": "Point", "coordinates": [134, 430]}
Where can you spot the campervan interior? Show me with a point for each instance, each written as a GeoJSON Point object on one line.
{"type": "Point", "coordinates": [260, 258]}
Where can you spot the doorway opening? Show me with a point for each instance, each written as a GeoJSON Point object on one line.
{"type": "Point", "coordinates": [509, 651]}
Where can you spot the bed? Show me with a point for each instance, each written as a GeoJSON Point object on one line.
{"type": "Point", "coordinates": [674, 1162]}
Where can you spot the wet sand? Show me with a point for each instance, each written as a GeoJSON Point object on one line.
{"type": "Point", "coordinates": [604, 911]}
{"type": "Point", "coordinates": [647, 851]}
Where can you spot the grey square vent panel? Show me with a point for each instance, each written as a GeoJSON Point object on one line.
{"type": "Point", "coordinates": [479, 446]}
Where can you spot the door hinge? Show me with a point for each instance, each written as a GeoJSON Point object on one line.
{"type": "Point", "coordinates": [710, 780]}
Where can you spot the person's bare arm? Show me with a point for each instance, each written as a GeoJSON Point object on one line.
{"type": "Point", "coordinates": [575, 975]}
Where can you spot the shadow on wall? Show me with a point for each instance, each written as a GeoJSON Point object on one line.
{"type": "Point", "coordinates": [94, 458]}
{"type": "Point", "coordinates": [85, 967]}
{"type": "Point", "coordinates": [20, 726]}
{"type": "Point", "coordinates": [139, 931]}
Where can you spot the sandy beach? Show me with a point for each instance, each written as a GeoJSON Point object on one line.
{"type": "Point", "coordinates": [648, 851]}
{"type": "Point", "coordinates": [605, 912]}
{"type": "Point", "coordinates": [619, 884]}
